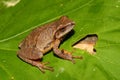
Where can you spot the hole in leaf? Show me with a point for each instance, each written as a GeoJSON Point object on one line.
{"type": "Point", "coordinates": [87, 43]}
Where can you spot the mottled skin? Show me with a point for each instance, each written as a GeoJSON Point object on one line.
{"type": "Point", "coordinates": [43, 39]}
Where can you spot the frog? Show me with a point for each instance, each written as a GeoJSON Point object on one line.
{"type": "Point", "coordinates": [45, 38]}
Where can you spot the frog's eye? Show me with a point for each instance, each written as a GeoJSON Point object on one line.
{"type": "Point", "coordinates": [62, 30]}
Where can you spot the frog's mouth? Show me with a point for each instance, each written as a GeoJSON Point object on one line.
{"type": "Point", "coordinates": [64, 30]}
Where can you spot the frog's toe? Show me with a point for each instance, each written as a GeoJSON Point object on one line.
{"type": "Point", "coordinates": [48, 68]}
{"type": "Point", "coordinates": [77, 57]}
{"type": "Point", "coordinates": [45, 63]}
{"type": "Point", "coordinates": [41, 69]}
{"type": "Point", "coordinates": [73, 61]}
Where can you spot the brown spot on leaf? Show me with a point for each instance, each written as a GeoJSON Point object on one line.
{"type": "Point", "coordinates": [87, 43]}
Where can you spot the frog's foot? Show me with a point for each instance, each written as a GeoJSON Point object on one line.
{"type": "Point", "coordinates": [43, 67]}
{"type": "Point", "coordinates": [69, 56]}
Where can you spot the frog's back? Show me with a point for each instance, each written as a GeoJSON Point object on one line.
{"type": "Point", "coordinates": [39, 37]}
{"type": "Point", "coordinates": [46, 37]}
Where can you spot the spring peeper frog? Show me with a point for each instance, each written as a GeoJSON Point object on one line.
{"type": "Point", "coordinates": [43, 39]}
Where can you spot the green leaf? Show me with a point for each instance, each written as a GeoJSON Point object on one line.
{"type": "Point", "coordinates": [101, 17]}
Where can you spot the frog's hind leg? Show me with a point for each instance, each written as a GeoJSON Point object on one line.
{"type": "Point", "coordinates": [37, 63]}
{"type": "Point", "coordinates": [34, 59]}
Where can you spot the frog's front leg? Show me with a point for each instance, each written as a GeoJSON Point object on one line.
{"type": "Point", "coordinates": [62, 53]}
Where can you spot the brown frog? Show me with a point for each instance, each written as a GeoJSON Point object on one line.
{"type": "Point", "coordinates": [43, 39]}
